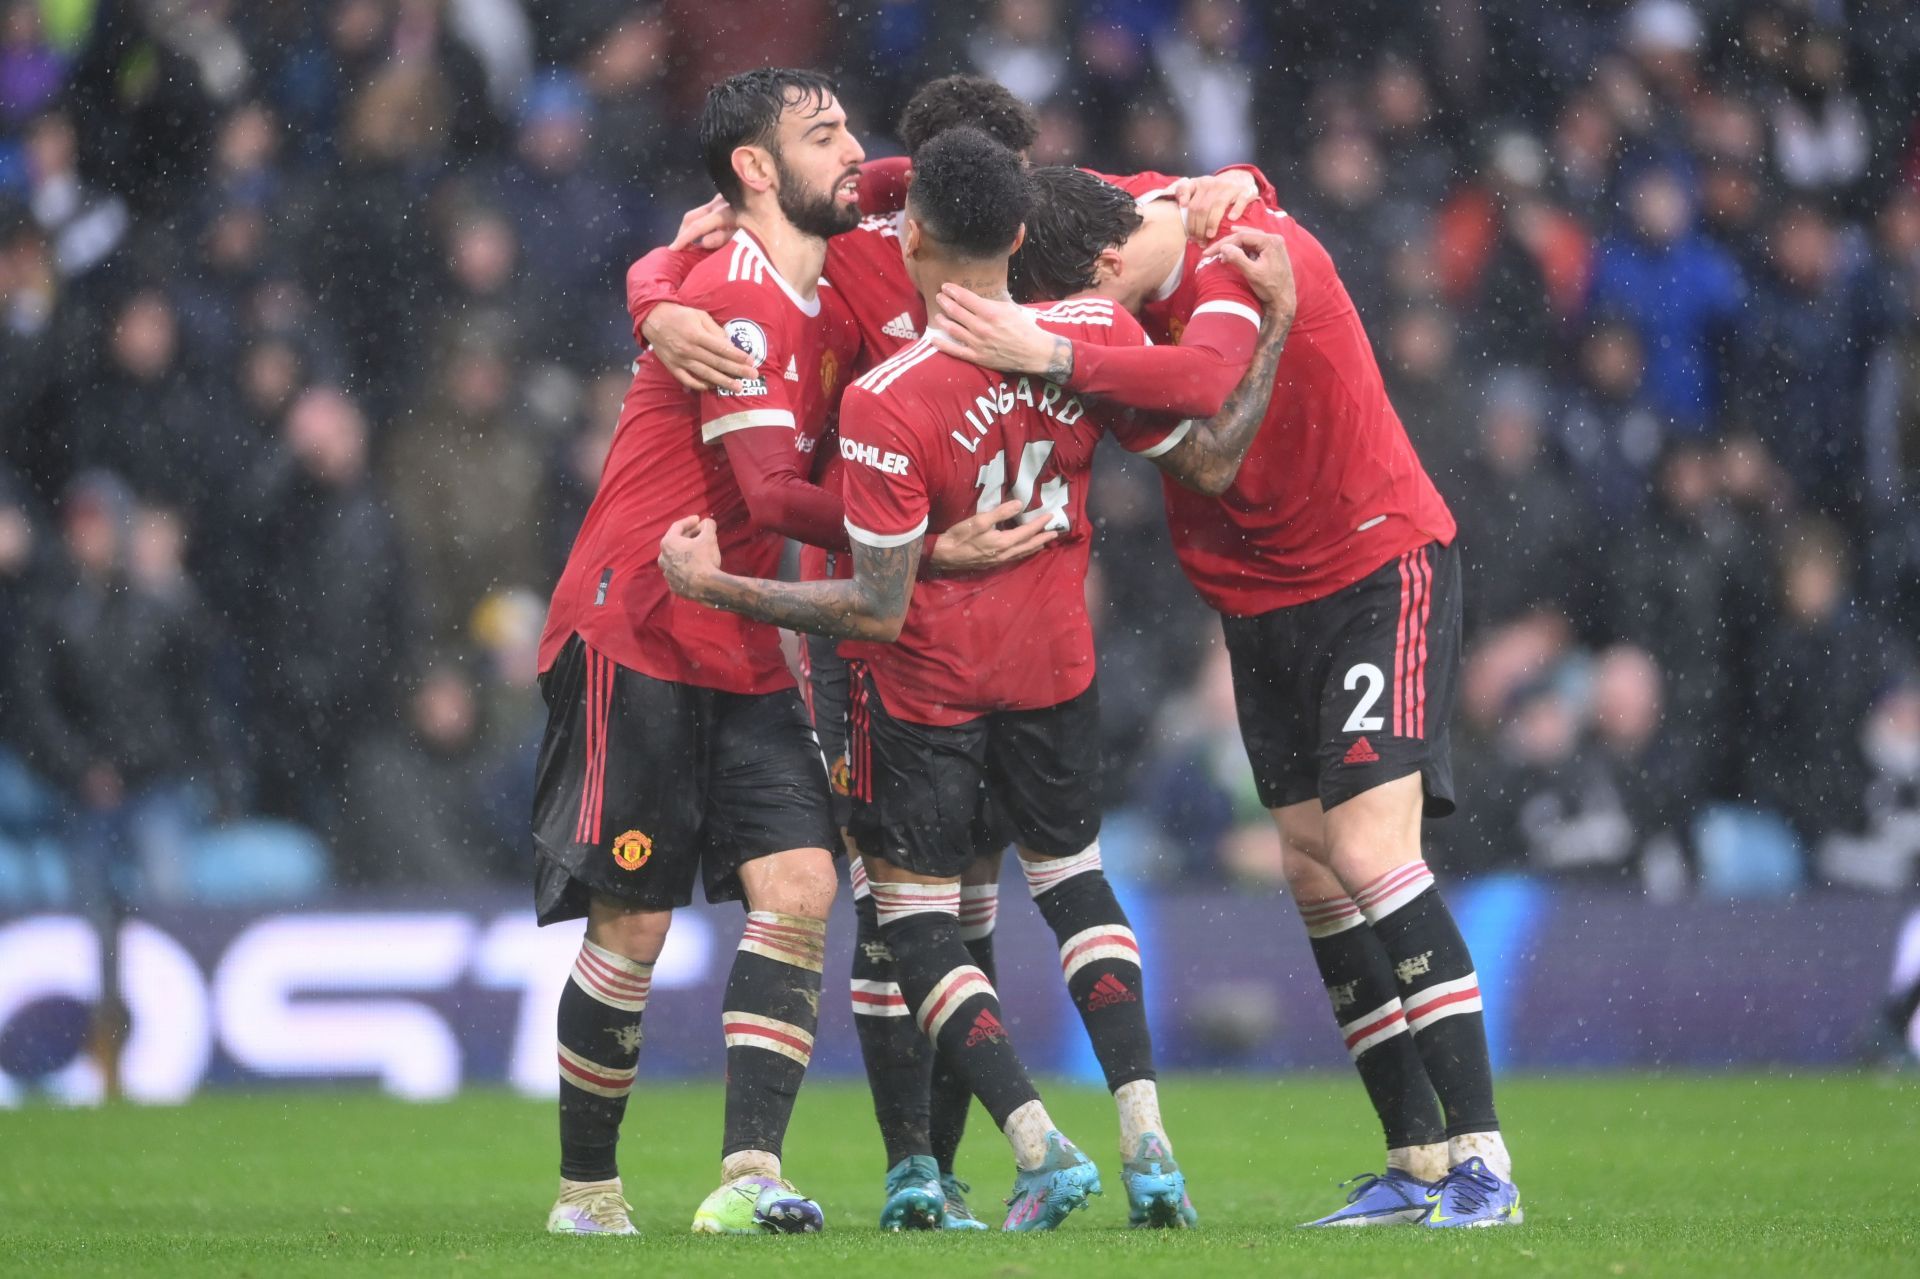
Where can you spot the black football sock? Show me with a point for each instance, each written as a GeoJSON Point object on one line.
{"type": "Point", "coordinates": [897, 1056]}
{"type": "Point", "coordinates": [952, 1099]}
{"type": "Point", "coordinates": [1100, 958]}
{"type": "Point", "coordinates": [1366, 1003]}
{"type": "Point", "coordinates": [599, 1041]}
{"type": "Point", "coordinates": [954, 1004]}
{"type": "Point", "coordinates": [1439, 997]}
{"type": "Point", "coordinates": [772, 1007]}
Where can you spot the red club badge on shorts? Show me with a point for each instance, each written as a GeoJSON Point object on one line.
{"type": "Point", "coordinates": [632, 849]}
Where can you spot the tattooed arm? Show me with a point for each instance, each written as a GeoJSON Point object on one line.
{"type": "Point", "coordinates": [1209, 457]}
{"type": "Point", "coordinates": [870, 606]}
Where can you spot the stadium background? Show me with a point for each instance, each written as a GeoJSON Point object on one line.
{"type": "Point", "coordinates": [311, 340]}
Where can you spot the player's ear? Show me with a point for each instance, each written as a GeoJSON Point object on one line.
{"type": "Point", "coordinates": [910, 235]}
{"type": "Point", "coordinates": [754, 167]}
{"type": "Point", "coordinates": [1019, 238]}
{"type": "Point", "coordinates": [1107, 266]}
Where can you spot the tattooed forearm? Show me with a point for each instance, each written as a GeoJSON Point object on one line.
{"type": "Point", "coordinates": [870, 606]}
{"type": "Point", "coordinates": [1209, 458]}
{"type": "Point", "coordinates": [1060, 363]}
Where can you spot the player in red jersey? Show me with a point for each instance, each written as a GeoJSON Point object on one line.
{"type": "Point", "coordinates": [871, 278]}
{"type": "Point", "coordinates": [991, 676]}
{"type": "Point", "coordinates": [1331, 562]}
{"type": "Point", "coordinates": [676, 746]}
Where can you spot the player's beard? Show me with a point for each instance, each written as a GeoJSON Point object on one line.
{"type": "Point", "coordinates": [814, 212]}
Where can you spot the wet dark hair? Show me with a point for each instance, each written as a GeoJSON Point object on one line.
{"type": "Point", "coordinates": [744, 111]}
{"type": "Point", "coordinates": [969, 192]}
{"type": "Point", "coordinates": [1075, 216]}
{"type": "Point", "coordinates": [956, 100]}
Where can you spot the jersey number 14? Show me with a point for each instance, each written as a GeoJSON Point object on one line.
{"type": "Point", "coordinates": [1052, 503]}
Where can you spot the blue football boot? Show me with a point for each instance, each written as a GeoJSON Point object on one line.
{"type": "Point", "coordinates": [1474, 1195]}
{"type": "Point", "coordinates": [1156, 1188]}
{"type": "Point", "coordinates": [915, 1200]}
{"type": "Point", "coordinates": [1043, 1197]}
{"type": "Point", "coordinates": [1393, 1198]}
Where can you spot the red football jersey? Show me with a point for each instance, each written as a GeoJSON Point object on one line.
{"type": "Point", "coordinates": [929, 440]}
{"type": "Point", "coordinates": [668, 461]}
{"type": "Point", "coordinates": [1331, 488]}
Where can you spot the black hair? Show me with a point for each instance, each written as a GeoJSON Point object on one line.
{"type": "Point", "coordinates": [744, 111]}
{"type": "Point", "coordinates": [1075, 216]}
{"type": "Point", "coordinates": [970, 193]}
{"type": "Point", "coordinates": [956, 100]}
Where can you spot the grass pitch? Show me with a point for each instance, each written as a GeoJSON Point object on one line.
{"type": "Point", "coordinates": [1619, 1176]}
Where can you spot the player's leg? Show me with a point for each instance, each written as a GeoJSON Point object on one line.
{"type": "Point", "coordinates": [1359, 981]}
{"type": "Point", "coordinates": [768, 828]}
{"type": "Point", "coordinates": [897, 1057]}
{"type": "Point", "coordinates": [615, 816]}
{"type": "Point", "coordinates": [1044, 772]}
{"type": "Point", "coordinates": [599, 1049]}
{"type": "Point", "coordinates": [917, 790]}
{"type": "Point", "coordinates": [950, 1099]}
{"type": "Point", "coordinates": [1384, 765]}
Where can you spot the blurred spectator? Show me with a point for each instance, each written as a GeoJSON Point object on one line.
{"type": "Point", "coordinates": [1202, 56]}
{"type": "Point", "coordinates": [31, 70]}
{"type": "Point", "coordinates": [327, 625]}
{"type": "Point", "coordinates": [1884, 855]}
{"type": "Point", "coordinates": [1804, 337]}
{"type": "Point", "coordinates": [115, 683]}
{"type": "Point", "coordinates": [1526, 538]}
{"type": "Point", "coordinates": [1679, 290]}
{"type": "Point", "coordinates": [415, 808]}
{"type": "Point", "coordinates": [84, 224]}
{"type": "Point", "coordinates": [1822, 667]}
{"type": "Point", "coordinates": [1023, 45]}
{"type": "Point", "coordinates": [465, 477]}
{"type": "Point", "coordinates": [1820, 137]}
{"type": "Point", "coordinates": [1607, 434]}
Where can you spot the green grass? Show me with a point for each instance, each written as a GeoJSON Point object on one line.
{"type": "Point", "coordinates": [1621, 1176]}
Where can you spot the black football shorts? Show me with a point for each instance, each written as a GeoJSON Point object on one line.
{"type": "Point", "coordinates": [930, 798]}
{"type": "Point", "coordinates": [644, 785]}
{"type": "Point", "coordinates": [1346, 693]}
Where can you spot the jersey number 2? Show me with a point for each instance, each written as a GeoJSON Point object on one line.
{"type": "Point", "coordinates": [1052, 506]}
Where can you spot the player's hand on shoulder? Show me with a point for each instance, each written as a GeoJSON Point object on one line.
{"type": "Point", "coordinates": [689, 555]}
{"type": "Point", "coordinates": [695, 349]}
{"type": "Point", "coordinates": [1262, 257]}
{"type": "Point", "coordinates": [992, 332]}
{"type": "Point", "coordinates": [978, 542]}
{"type": "Point", "coordinates": [707, 227]}
{"type": "Point", "coordinates": [1214, 199]}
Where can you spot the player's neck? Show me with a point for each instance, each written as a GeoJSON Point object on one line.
{"type": "Point", "coordinates": [988, 279]}
{"type": "Point", "coordinates": [797, 256]}
{"type": "Point", "coordinates": [1163, 241]}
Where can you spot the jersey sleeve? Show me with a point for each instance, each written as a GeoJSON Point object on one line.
{"type": "Point", "coordinates": [1194, 378]}
{"type": "Point", "coordinates": [1147, 434]}
{"type": "Point", "coordinates": [885, 484]}
{"type": "Point", "coordinates": [657, 278]}
{"type": "Point", "coordinates": [752, 320]}
{"type": "Point", "coordinates": [883, 184]}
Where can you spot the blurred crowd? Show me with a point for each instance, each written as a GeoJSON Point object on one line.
{"type": "Point", "coordinates": [312, 340]}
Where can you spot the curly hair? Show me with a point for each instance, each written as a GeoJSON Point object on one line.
{"type": "Point", "coordinates": [1075, 217]}
{"type": "Point", "coordinates": [974, 100]}
{"type": "Point", "coordinates": [969, 192]}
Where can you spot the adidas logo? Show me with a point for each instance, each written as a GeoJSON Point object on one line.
{"type": "Point", "coordinates": [1108, 991]}
{"type": "Point", "coordinates": [793, 371]}
{"type": "Point", "coordinates": [1361, 753]}
{"type": "Point", "coordinates": [900, 326]}
{"type": "Point", "coordinates": [986, 1027]}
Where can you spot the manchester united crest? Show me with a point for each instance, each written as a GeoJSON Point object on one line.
{"type": "Point", "coordinates": [840, 776]}
{"type": "Point", "coordinates": [829, 372]}
{"type": "Point", "coordinates": [631, 850]}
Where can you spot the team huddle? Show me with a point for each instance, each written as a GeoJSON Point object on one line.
{"type": "Point", "coordinates": [906, 367]}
